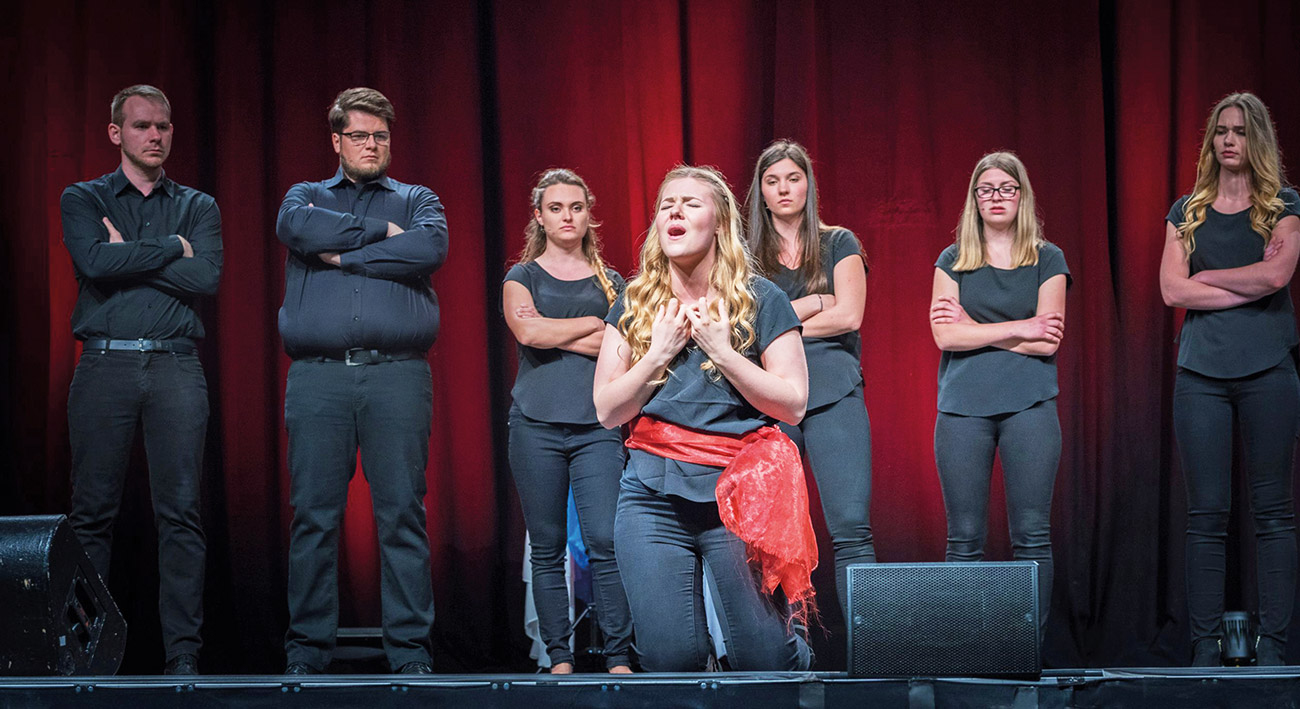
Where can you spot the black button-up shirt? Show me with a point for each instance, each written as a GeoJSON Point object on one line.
{"type": "Point", "coordinates": [380, 296]}
{"type": "Point", "coordinates": [143, 287]}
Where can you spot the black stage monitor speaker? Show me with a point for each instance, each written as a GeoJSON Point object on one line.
{"type": "Point", "coordinates": [959, 619]}
{"type": "Point", "coordinates": [56, 616]}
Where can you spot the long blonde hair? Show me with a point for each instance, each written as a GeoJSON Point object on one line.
{"type": "Point", "coordinates": [535, 235]}
{"type": "Point", "coordinates": [1027, 232]}
{"type": "Point", "coordinates": [764, 242]}
{"type": "Point", "coordinates": [1262, 158]}
{"type": "Point", "coordinates": [730, 276]}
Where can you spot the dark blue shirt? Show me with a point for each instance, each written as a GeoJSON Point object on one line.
{"type": "Point", "coordinates": [554, 385]}
{"type": "Point", "coordinates": [1247, 338]}
{"type": "Point", "coordinates": [380, 297]}
{"type": "Point", "coordinates": [143, 287]}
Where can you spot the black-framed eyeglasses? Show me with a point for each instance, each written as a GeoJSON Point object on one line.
{"type": "Point", "coordinates": [986, 192]}
{"type": "Point", "coordinates": [359, 137]}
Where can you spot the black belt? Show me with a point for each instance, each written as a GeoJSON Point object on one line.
{"type": "Point", "coordinates": [358, 356]}
{"type": "Point", "coordinates": [141, 345]}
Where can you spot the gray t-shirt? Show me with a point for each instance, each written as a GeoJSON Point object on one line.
{"type": "Point", "coordinates": [989, 381]}
{"type": "Point", "coordinates": [834, 363]}
{"type": "Point", "coordinates": [705, 401]}
{"type": "Point", "coordinates": [1248, 338]}
{"type": "Point", "coordinates": [554, 385]}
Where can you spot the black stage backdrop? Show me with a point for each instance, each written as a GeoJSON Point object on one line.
{"type": "Point", "coordinates": [1105, 101]}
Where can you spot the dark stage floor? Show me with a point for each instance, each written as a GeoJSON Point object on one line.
{"type": "Point", "coordinates": [1135, 687]}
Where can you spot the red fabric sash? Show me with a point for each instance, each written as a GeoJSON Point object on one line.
{"type": "Point", "coordinates": [761, 493]}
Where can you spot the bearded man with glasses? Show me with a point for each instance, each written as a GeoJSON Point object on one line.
{"type": "Point", "coordinates": [358, 319]}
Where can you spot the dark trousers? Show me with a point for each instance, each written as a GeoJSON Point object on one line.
{"type": "Point", "coordinates": [837, 440]}
{"type": "Point", "coordinates": [331, 409]}
{"type": "Point", "coordinates": [1267, 407]}
{"type": "Point", "coordinates": [165, 393]}
{"type": "Point", "coordinates": [662, 542]}
{"type": "Point", "coordinates": [547, 459]}
{"type": "Point", "coordinates": [1029, 443]}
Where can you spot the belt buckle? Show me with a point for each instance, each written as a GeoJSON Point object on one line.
{"type": "Point", "coordinates": [139, 344]}
{"type": "Point", "coordinates": [347, 357]}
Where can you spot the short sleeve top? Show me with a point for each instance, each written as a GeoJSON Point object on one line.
{"type": "Point", "coordinates": [834, 363]}
{"type": "Point", "coordinates": [705, 401]}
{"type": "Point", "coordinates": [1247, 338]}
{"type": "Point", "coordinates": [554, 385]}
{"type": "Point", "coordinates": [989, 381]}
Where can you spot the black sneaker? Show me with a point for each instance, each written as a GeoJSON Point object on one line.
{"type": "Point", "coordinates": [1269, 653]}
{"type": "Point", "coordinates": [801, 632]}
{"type": "Point", "coordinates": [1206, 653]}
{"type": "Point", "coordinates": [415, 668]}
{"type": "Point", "coordinates": [300, 668]}
{"type": "Point", "coordinates": [183, 664]}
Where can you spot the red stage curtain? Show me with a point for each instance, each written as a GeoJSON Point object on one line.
{"type": "Point", "coordinates": [1105, 102]}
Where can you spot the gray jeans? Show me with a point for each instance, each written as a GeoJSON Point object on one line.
{"type": "Point", "coordinates": [662, 541]}
{"type": "Point", "coordinates": [837, 440]}
{"type": "Point", "coordinates": [1029, 443]}
{"type": "Point", "coordinates": [1266, 407]}
{"type": "Point", "coordinates": [546, 460]}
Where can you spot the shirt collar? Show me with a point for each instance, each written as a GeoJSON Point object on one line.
{"type": "Point", "coordinates": [339, 180]}
{"type": "Point", "coordinates": [119, 182]}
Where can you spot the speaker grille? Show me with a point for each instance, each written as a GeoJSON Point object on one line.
{"type": "Point", "coordinates": [955, 619]}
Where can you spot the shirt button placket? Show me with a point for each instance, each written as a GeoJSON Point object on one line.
{"type": "Point", "coordinates": [362, 209]}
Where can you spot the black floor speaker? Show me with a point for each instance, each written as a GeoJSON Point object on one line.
{"type": "Point", "coordinates": [975, 619]}
{"type": "Point", "coordinates": [56, 617]}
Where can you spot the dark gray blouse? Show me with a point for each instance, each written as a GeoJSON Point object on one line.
{"type": "Point", "coordinates": [834, 363]}
{"type": "Point", "coordinates": [705, 401]}
{"type": "Point", "coordinates": [554, 385]}
{"type": "Point", "coordinates": [1247, 338]}
{"type": "Point", "coordinates": [989, 381]}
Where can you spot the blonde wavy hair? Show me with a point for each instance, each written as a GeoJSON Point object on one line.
{"type": "Point", "coordinates": [1027, 230]}
{"type": "Point", "coordinates": [1263, 159]}
{"type": "Point", "coordinates": [535, 235]}
{"type": "Point", "coordinates": [730, 276]}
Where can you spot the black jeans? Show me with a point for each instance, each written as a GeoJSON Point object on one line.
{"type": "Point", "coordinates": [837, 440]}
{"type": "Point", "coordinates": [1029, 443]}
{"type": "Point", "coordinates": [331, 409]}
{"type": "Point", "coordinates": [1267, 408]}
{"type": "Point", "coordinates": [165, 393]}
{"type": "Point", "coordinates": [662, 543]}
{"type": "Point", "coordinates": [547, 459]}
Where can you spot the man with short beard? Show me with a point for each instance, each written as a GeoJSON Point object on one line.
{"type": "Point", "coordinates": [144, 250]}
{"type": "Point", "coordinates": [358, 319]}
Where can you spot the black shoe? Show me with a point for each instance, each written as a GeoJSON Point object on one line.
{"type": "Point", "coordinates": [1269, 653]}
{"type": "Point", "coordinates": [1206, 653]}
{"type": "Point", "coordinates": [801, 631]}
{"type": "Point", "coordinates": [184, 664]}
{"type": "Point", "coordinates": [300, 668]}
{"type": "Point", "coordinates": [415, 668]}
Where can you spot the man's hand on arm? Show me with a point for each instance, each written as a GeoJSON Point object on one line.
{"type": "Point", "coordinates": [114, 236]}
